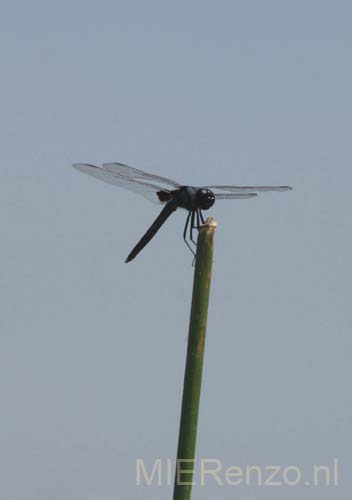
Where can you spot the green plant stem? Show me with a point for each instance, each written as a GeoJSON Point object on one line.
{"type": "Point", "coordinates": [194, 363]}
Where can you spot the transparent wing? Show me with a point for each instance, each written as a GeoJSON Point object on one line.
{"type": "Point", "coordinates": [234, 196]}
{"type": "Point", "coordinates": [145, 189]}
{"type": "Point", "coordinates": [134, 173]}
{"type": "Point", "coordinates": [251, 189]}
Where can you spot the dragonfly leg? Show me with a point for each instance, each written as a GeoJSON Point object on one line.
{"type": "Point", "coordinates": [186, 226]}
{"type": "Point", "coordinates": [198, 219]}
{"type": "Point", "coordinates": [185, 232]}
{"type": "Point", "coordinates": [201, 217]}
{"type": "Point", "coordinates": [192, 227]}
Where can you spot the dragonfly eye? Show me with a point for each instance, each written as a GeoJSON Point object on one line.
{"type": "Point", "coordinates": [205, 198]}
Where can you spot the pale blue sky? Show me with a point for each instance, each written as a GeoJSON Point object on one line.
{"type": "Point", "coordinates": [92, 350]}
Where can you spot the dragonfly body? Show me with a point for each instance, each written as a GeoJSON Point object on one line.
{"type": "Point", "coordinates": [189, 197]}
{"type": "Point", "coordinates": [193, 199]}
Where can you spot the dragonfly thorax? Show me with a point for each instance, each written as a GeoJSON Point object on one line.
{"type": "Point", "coordinates": [192, 198]}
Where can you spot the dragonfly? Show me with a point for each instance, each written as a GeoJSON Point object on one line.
{"type": "Point", "coordinates": [171, 195]}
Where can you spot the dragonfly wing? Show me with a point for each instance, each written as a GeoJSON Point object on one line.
{"type": "Point", "coordinates": [234, 196]}
{"type": "Point", "coordinates": [145, 189]}
{"type": "Point", "coordinates": [134, 173]}
{"type": "Point", "coordinates": [251, 189]}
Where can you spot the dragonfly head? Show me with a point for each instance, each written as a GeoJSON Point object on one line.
{"type": "Point", "coordinates": [205, 198]}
